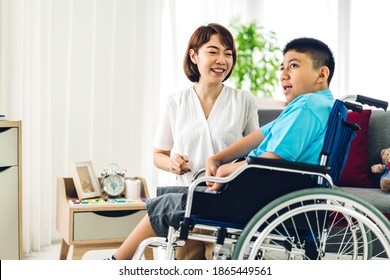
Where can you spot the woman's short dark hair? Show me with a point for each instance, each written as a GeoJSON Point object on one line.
{"type": "Point", "coordinates": [200, 37]}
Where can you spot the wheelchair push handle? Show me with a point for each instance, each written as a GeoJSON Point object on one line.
{"type": "Point", "coordinates": [372, 102]}
{"type": "Point", "coordinates": [381, 104]}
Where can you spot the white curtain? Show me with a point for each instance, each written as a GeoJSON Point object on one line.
{"type": "Point", "coordinates": [83, 76]}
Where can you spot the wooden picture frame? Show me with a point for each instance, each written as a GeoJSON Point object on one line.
{"type": "Point", "coordinates": [85, 181]}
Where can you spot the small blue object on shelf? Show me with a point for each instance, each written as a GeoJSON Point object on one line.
{"type": "Point", "coordinates": [106, 201]}
{"type": "Point", "coordinates": [2, 117]}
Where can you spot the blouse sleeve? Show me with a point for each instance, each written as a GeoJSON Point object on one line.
{"type": "Point", "coordinates": [163, 139]}
{"type": "Point", "coordinates": [252, 119]}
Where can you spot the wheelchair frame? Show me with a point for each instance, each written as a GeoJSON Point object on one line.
{"type": "Point", "coordinates": [311, 223]}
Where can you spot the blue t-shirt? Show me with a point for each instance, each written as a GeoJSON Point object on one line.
{"type": "Point", "coordinates": [298, 133]}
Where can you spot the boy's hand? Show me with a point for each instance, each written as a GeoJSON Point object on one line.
{"type": "Point", "coordinates": [178, 164]}
{"type": "Point", "coordinates": [223, 171]}
{"type": "Point", "coordinates": [212, 166]}
{"type": "Point", "coordinates": [218, 173]}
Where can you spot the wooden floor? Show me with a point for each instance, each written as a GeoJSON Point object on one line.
{"type": "Point", "coordinates": [53, 253]}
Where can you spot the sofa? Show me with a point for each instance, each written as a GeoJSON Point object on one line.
{"type": "Point", "coordinates": [365, 150]}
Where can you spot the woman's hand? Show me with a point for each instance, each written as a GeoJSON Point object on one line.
{"type": "Point", "coordinates": [179, 164]}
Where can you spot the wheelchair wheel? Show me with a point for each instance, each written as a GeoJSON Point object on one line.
{"type": "Point", "coordinates": [319, 224]}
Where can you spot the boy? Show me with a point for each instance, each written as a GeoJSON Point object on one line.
{"type": "Point", "coordinates": [296, 135]}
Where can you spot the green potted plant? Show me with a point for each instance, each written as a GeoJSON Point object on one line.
{"type": "Point", "coordinates": [257, 58]}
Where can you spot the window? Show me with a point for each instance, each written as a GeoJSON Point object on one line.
{"type": "Point", "coordinates": [355, 31]}
{"type": "Point", "coordinates": [369, 58]}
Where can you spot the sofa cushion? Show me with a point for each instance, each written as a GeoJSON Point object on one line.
{"type": "Point", "coordinates": [376, 197]}
{"type": "Point", "coordinates": [268, 115]}
{"type": "Point", "coordinates": [356, 170]}
{"type": "Point", "coordinates": [378, 139]}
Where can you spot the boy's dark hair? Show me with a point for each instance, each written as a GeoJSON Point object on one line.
{"type": "Point", "coordinates": [200, 37]}
{"type": "Point", "coordinates": [318, 51]}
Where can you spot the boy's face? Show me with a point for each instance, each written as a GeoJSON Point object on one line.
{"type": "Point", "coordinates": [298, 75]}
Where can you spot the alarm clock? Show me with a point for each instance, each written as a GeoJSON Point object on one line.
{"type": "Point", "coordinates": [113, 180]}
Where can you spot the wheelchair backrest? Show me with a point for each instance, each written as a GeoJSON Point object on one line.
{"type": "Point", "coordinates": [337, 141]}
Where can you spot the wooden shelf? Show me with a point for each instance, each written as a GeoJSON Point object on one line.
{"type": "Point", "coordinates": [95, 226]}
{"type": "Point", "coordinates": [11, 188]}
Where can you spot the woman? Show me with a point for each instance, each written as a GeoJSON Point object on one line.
{"type": "Point", "coordinates": [199, 122]}
{"type": "Point", "coordinates": [207, 117]}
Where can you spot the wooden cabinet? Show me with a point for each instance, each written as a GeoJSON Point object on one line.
{"type": "Point", "coordinates": [11, 190]}
{"type": "Point", "coordinates": [94, 226]}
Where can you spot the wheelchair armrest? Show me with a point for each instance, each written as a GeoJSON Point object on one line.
{"type": "Point", "coordinates": [280, 163]}
{"type": "Point", "coordinates": [197, 174]}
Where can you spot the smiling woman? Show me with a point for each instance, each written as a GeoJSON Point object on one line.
{"type": "Point", "coordinates": [215, 58]}
{"type": "Point", "coordinates": [190, 127]}
{"type": "Point", "coordinates": [198, 122]}
{"type": "Point", "coordinates": [214, 63]}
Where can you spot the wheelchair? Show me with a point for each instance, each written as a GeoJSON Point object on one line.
{"type": "Point", "coordinates": [275, 209]}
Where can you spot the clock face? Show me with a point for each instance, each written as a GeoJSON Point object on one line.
{"type": "Point", "coordinates": [113, 185]}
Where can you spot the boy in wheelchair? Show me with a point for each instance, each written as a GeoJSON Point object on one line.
{"type": "Point", "coordinates": [296, 135]}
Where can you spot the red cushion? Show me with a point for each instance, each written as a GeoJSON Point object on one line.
{"type": "Point", "coordinates": [356, 171]}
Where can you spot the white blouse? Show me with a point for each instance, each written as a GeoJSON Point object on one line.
{"type": "Point", "coordinates": [184, 129]}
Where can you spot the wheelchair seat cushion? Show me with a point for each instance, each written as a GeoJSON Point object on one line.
{"type": "Point", "coordinates": [247, 194]}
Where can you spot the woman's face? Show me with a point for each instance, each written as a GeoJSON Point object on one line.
{"type": "Point", "coordinates": [214, 61]}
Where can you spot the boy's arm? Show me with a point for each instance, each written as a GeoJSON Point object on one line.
{"type": "Point", "coordinates": [237, 150]}
{"type": "Point", "coordinates": [228, 168]}
{"type": "Point", "coordinates": [214, 165]}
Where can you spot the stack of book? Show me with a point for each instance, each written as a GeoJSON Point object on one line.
{"type": "Point", "coordinates": [2, 117]}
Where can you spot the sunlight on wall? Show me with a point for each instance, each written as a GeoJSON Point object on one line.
{"type": "Point", "coordinates": [368, 72]}
{"type": "Point", "coordinates": [302, 18]}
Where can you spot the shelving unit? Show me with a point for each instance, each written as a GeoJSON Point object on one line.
{"type": "Point", "coordinates": [11, 189]}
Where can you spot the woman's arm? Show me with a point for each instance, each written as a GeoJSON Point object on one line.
{"type": "Point", "coordinates": [176, 164]}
